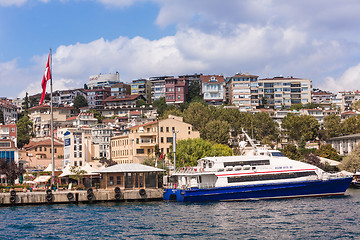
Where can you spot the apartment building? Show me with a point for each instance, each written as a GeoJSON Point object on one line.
{"type": "Point", "coordinates": [243, 90]}
{"type": "Point", "coordinates": [213, 89]}
{"type": "Point", "coordinates": [348, 98]}
{"type": "Point", "coordinates": [101, 136]}
{"type": "Point", "coordinates": [96, 95]}
{"type": "Point", "coordinates": [41, 118]}
{"type": "Point", "coordinates": [67, 97]}
{"type": "Point", "coordinates": [281, 92]}
{"type": "Point", "coordinates": [140, 141]}
{"type": "Point", "coordinates": [176, 90]}
{"type": "Point", "coordinates": [142, 87]}
{"type": "Point", "coordinates": [9, 111]}
{"type": "Point", "coordinates": [158, 87]}
{"type": "Point", "coordinates": [8, 131]}
{"type": "Point", "coordinates": [120, 90]}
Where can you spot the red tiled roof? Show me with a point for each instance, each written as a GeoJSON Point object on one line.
{"type": "Point", "coordinates": [349, 113]}
{"type": "Point", "coordinates": [46, 142]}
{"type": "Point", "coordinates": [143, 125]}
{"type": "Point", "coordinates": [135, 112]}
{"type": "Point", "coordinates": [206, 78]}
{"type": "Point", "coordinates": [71, 118]}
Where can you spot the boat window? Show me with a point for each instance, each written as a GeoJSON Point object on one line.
{"type": "Point", "coordinates": [251, 163]}
{"type": "Point", "coordinates": [277, 154]}
{"type": "Point", "coordinates": [210, 164]}
{"type": "Point", "coordinates": [264, 177]}
{"type": "Point", "coordinates": [199, 179]}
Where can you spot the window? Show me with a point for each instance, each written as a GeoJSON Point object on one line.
{"type": "Point", "coordinates": [118, 180]}
{"type": "Point", "coordinates": [167, 129]}
{"type": "Point", "coordinates": [161, 129]}
{"type": "Point", "coordinates": [140, 151]}
{"type": "Point", "coordinates": [169, 139]}
{"type": "Point", "coordinates": [111, 181]}
{"type": "Point", "coordinates": [162, 140]}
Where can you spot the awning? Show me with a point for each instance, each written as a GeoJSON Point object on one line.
{"type": "Point", "coordinates": [42, 179]}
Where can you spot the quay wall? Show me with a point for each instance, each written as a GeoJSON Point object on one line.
{"type": "Point", "coordinates": [96, 195]}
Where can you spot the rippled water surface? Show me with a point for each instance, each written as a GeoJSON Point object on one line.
{"type": "Point", "coordinates": [316, 218]}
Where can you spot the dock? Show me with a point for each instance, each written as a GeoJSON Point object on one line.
{"type": "Point", "coordinates": [79, 196]}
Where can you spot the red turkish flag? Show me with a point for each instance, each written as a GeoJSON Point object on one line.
{"type": "Point", "coordinates": [46, 77]}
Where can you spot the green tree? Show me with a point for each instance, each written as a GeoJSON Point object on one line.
{"type": "Point", "coordinates": [264, 127]}
{"type": "Point", "coordinates": [160, 106]}
{"type": "Point", "coordinates": [140, 102]}
{"type": "Point", "coordinates": [173, 111]}
{"type": "Point", "coordinates": [194, 92]}
{"type": "Point", "coordinates": [351, 125]}
{"type": "Point", "coordinates": [351, 163]}
{"type": "Point", "coordinates": [25, 104]}
{"type": "Point", "coordinates": [327, 151]}
{"type": "Point", "coordinates": [86, 86]}
{"type": "Point", "coordinates": [291, 152]}
{"type": "Point", "coordinates": [189, 151]}
{"type": "Point", "coordinates": [197, 115]}
{"type": "Point", "coordinates": [24, 130]}
{"type": "Point", "coordinates": [217, 131]}
{"type": "Point", "coordinates": [98, 115]}
{"type": "Point", "coordinates": [313, 160]}
{"type": "Point", "coordinates": [80, 101]}
{"type": "Point", "coordinates": [332, 125]}
{"type": "Point", "coordinates": [300, 126]}
{"type": "Point", "coordinates": [77, 173]}
{"type": "Point", "coordinates": [2, 117]}
{"type": "Point", "coordinates": [297, 106]}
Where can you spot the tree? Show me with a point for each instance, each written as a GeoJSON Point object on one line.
{"type": "Point", "coordinates": [140, 102]}
{"type": "Point", "coordinates": [264, 127]}
{"type": "Point", "coordinates": [190, 150]}
{"type": "Point", "coordinates": [86, 86]}
{"type": "Point", "coordinates": [160, 106]}
{"type": "Point", "coordinates": [194, 92]}
{"type": "Point", "coordinates": [291, 152]}
{"type": "Point", "coordinates": [107, 162]}
{"type": "Point", "coordinates": [24, 129]}
{"type": "Point", "coordinates": [197, 115]}
{"type": "Point", "coordinates": [77, 173]}
{"type": "Point", "coordinates": [25, 104]}
{"type": "Point", "coordinates": [11, 170]}
{"type": "Point", "coordinates": [351, 162]}
{"type": "Point", "coordinates": [174, 111]}
{"type": "Point", "coordinates": [98, 115]}
{"type": "Point", "coordinates": [313, 160]}
{"type": "Point", "coordinates": [351, 125]}
{"type": "Point", "coordinates": [2, 117]}
{"type": "Point", "coordinates": [80, 101]}
{"type": "Point", "coordinates": [300, 126]}
{"type": "Point", "coordinates": [216, 131]}
{"type": "Point", "coordinates": [327, 151]}
{"type": "Point", "coordinates": [332, 125]}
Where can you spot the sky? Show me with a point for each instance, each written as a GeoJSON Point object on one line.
{"type": "Point", "coordinates": [317, 40]}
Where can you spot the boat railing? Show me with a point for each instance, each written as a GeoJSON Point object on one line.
{"type": "Point", "coordinates": [189, 170]}
{"type": "Point", "coordinates": [206, 185]}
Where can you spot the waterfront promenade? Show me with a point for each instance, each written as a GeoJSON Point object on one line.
{"type": "Point", "coordinates": [80, 196]}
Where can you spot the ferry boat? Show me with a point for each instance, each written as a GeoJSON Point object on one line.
{"type": "Point", "coordinates": [356, 180]}
{"type": "Point", "coordinates": [259, 174]}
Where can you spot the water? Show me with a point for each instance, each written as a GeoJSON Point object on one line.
{"type": "Point", "coordinates": [303, 218]}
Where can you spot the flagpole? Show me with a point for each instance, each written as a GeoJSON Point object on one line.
{"type": "Point", "coordinates": [52, 122]}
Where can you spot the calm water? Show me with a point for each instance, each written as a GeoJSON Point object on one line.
{"type": "Point", "coordinates": [315, 218]}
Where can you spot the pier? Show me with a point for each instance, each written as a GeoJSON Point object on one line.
{"type": "Point", "coordinates": [81, 196]}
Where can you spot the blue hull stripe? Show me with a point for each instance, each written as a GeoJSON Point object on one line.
{"type": "Point", "coordinates": [261, 191]}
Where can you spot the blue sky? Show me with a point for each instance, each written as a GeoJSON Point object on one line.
{"type": "Point", "coordinates": [318, 40]}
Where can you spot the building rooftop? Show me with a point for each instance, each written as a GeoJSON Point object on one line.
{"type": "Point", "coordinates": [130, 167]}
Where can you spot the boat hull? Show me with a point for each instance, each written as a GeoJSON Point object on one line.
{"type": "Point", "coordinates": [261, 191]}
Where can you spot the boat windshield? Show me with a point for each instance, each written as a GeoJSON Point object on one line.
{"type": "Point", "coordinates": [277, 154]}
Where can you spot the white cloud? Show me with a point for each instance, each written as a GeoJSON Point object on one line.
{"type": "Point", "coordinates": [118, 3]}
{"type": "Point", "coordinates": [349, 80]}
{"type": "Point", "coordinates": [7, 3]}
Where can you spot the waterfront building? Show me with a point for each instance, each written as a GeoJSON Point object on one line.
{"type": "Point", "coordinates": [37, 153]}
{"type": "Point", "coordinates": [130, 176]}
{"type": "Point", "coordinates": [120, 106]}
{"type": "Point", "coordinates": [281, 92]}
{"type": "Point", "coordinates": [41, 118]}
{"type": "Point", "coordinates": [78, 147]}
{"type": "Point", "coordinates": [96, 95]}
{"type": "Point", "coordinates": [243, 91]}
{"type": "Point", "coordinates": [101, 136]}
{"type": "Point", "coordinates": [213, 89]}
{"type": "Point", "coordinates": [344, 145]}
{"type": "Point", "coordinates": [139, 141]}
{"type": "Point", "coordinates": [318, 114]}
{"type": "Point", "coordinates": [158, 87]}
{"type": "Point", "coordinates": [142, 87]}
{"type": "Point", "coordinates": [8, 152]}
{"type": "Point", "coordinates": [176, 90]}
{"type": "Point", "coordinates": [103, 80]}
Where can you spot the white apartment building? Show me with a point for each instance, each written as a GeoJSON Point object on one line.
{"type": "Point", "coordinates": [213, 89]}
